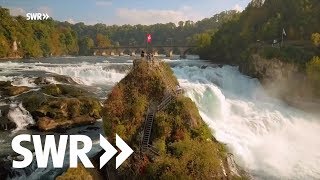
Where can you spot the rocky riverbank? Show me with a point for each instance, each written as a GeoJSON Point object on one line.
{"type": "Point", "coordinates": [49, 106]}
{"type": "Point", "coordinates": [284, 80]}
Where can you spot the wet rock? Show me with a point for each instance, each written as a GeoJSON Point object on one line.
{"type": "Point", "coordinates": [54, 106]}
{"type": "Point", "coordinates": [59, 90]}
{"type": "Point", "coordinates": [53, 78]}
{"type": "Point", "coordinates": [8, 90]}
{"type": "Point", "coordinates": [42, 81]}
{"type": "Point", "coordinates": [5, 84]}
{"type": "Point", "coordinates": [82, 132]}
{"type": "Point", "coordinates": [64, 79]}
{"type": "Point", "coordinates": [5, 123]}
{"type": "Point", "coordinates": [283, 80]}
{"type": "Point", "coordinates": [5, 169]}
{"type": "Point", "coordinates": [62, 106]}
{"type": "Point", "coordinates": [15, 90]}
{"type": "Point", "coordinates": [93, 128]}
{"type": "Point", "coordinates": [47, 124]}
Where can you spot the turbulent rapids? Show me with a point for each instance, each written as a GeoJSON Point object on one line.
{"type": "Point", "coordinates": [268, 138]}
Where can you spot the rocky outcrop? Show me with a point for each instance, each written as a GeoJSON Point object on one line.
{"type": "Point", "coordinates": [180, 140]}
{"type": "Point", "coordinates": [61, 106]}
{"type": "Point", "coordinates": [5, 123]}
{"type": "Point", "coordinates": [269, 70]}
{"type": "Point", "coordinates": [6, 89]}
{"type": "Point", "coordinates": [54, 106]}
{"type": "Point", "coordinates": [181, 145]}
{"type": "Point", "coordinates": [52, 78]}
{"type": "Point", "coordinates": [283, 80]}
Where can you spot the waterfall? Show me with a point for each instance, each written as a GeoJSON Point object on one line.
{"type": "Point", "coordinates": [268, 138]}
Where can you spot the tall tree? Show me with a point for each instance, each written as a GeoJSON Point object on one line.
{"type": "Point", "coordinates": [85, 45]}
{"type": "Point", "coordinates": [102, 41]}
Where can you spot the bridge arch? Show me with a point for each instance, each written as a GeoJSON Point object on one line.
{"type": "Point", "coordinates": [183, 51]}
{"type": "Point", "coordinates": [133, 50]}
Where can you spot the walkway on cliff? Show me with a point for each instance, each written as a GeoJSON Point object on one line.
{"type": "Point", "coordinates": [153, 109]}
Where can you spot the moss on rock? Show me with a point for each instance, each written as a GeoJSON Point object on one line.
{"type": "Point", "coordinates": [54, 77]}
{"type": "Point", "coordinates": [186, 147]}
{"type": "Point", "coordinates": [62, 106]}
{"type": "Point", "coordinates": [79, 173]}
{"type": "Point", "coordinates": [8, 90]}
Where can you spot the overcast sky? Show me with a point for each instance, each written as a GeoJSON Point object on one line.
{"type": "Point", "coordinates": [124, 11]}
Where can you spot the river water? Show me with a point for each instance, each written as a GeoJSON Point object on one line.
{"type": "Point", "coordinates": [268, 138]}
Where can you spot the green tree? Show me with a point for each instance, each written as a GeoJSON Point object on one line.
{"type": "Point", "coordinates": [4, 46]}
{"type": "Point", "coordinates": [313, 72]}
{"type": "Point", "coordinates": [102, 41]}
{"type": "Point", "coordinates": [85, 46]}
{"type": "Point", "coordinates": [203, 40]}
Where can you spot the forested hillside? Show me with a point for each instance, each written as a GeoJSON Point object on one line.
{"type": "Point", "coordinates": [276, 41]}
{"type": "Point", "coordinates": [261, 23]}
{"type": "Point", "coordinates": [35, 38]}
{"type": "Point", "coordinates": [53, 38]}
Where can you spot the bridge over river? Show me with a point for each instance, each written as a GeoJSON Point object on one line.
{"type": "Point", "coordinates": [133, 50]}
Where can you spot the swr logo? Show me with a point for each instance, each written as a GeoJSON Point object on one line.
{"type": "Point", "coordinates": [42, 153]}
{"type": "Point", "coordinates": [37, 16]}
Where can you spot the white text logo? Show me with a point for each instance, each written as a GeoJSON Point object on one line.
{"type": "Point", "coordinates": [37, 16]}
{"type": "Point", "coordinates": [42, 153]}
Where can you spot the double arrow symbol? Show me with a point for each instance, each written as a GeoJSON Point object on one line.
{"type": "Point", "coordinates": [45, 16]}
{"type": "Point", "coordinates": [126, 151]}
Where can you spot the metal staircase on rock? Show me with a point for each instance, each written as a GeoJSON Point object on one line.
{"type": "Point", "coordinates": [145, 142]}
{"type": "Point", "coordinates": [147, 130]}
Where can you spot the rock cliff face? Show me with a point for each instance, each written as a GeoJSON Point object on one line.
{"type": "Point", "coordinates": [269, 70]}
{"type": "Point", "coordinates": [283, 80]}
{"type": "Point", "coordinates": [181, 145]}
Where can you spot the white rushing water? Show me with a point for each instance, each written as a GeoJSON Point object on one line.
{"type": "Point", "coordinates": [87, 74]}
{"type": "Point", "coordinates": [269, 138]}
{"type": "Point", "coordinates": [20, 116]}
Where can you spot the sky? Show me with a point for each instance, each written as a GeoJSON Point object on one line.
{"type": "Point", "coordinates": [124, 11]}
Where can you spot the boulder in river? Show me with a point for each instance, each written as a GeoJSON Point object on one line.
{"type": "Point", "coordinates": [7, 89]}
{"type": "Point", "coordinates": [61, 106]}
{"type": "Point", "coordinates": [54, 78]}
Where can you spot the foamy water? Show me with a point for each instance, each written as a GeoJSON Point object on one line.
{"type": "Point", "coordinates": [87, 74]}
{"type": "Point", "coordinates": [20, 116]}
{"type": "Point", "coordinates": [83, 73]}
{"type": "Point", "coordinates": [269, 138]}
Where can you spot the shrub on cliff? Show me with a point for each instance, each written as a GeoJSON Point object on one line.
{"type": "Point", "coordinates": [288, 54]}
{"type": "Point", "coordinates": [315, 37]}
{"type": "Point", "coordinates": [313, 72]}
{"type": "Point", "coordinates": [129, 100]}
{"type": "Point", "coordinates": [189, 159]}
{"type": "Point", "coordinates": [186, 148]}
{"type": "Point", "coordinates": [79, 173]}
